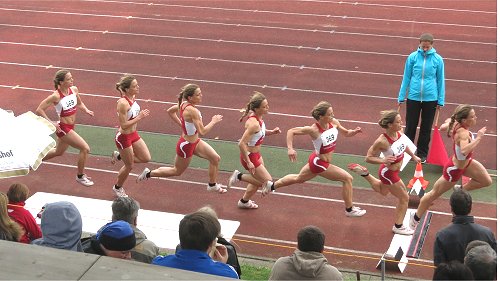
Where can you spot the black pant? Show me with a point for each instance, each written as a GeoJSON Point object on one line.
{"type": "Point", "coordinates": [415, 110]}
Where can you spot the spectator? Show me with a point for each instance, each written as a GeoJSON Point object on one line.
{"type": "Point", "coordinates": [423, 87]}
{"type": "Point", "coordinates": [232, 256]}
{"type": "Point", "coordinates": [453, 270]}
{"type": "Point", "coordinates": [61, 227]}
{"type": "Point", "coordinates": [116, 239]}
{"type": "Point", "coordinates": [482, 261]}
{"type": "Point", "coordinates": [9, 229]}
{"type": "Point", "coordinates": [127, 209]}
{"type": "Point", "coordinates": [452, 240]}
{"type": "Point", "coordinates": [17, 194]}
{"type": "Point", "coordinates": [307, 262]}
{"type": "Point", "coordinates": [198, 235]}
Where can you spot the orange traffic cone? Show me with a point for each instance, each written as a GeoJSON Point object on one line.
{"type": "Point", "coordinates": [418, 176]}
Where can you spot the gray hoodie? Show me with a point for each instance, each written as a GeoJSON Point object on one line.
{"type": "Point", "coordinates": [61, 227]}
{"type": "Point", "coordinates": [304, 266]}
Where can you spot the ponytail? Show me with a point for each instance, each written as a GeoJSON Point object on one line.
{"type": "Point", "coordinates": [255, 101]}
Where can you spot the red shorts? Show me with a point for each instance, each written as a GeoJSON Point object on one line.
{"type": "Point", "coordinates": [452, 173]}
{"type": "Point", "coordinates": [65, 128]}
{"type": "Point", "coordinates": [388, 176]}
{"type": "Point", "coordinates": [254, 158]}
{"type": "Point", "coordinates": [316, 165]}
{"type": "Point", "coordinates": [185, 149]}
{"type": "Point", "coordinates": [123, 141]}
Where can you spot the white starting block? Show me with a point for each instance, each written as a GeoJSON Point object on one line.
{"type": "Point", "coordinates": [160, 227]}
{"type": "Point", "coordinates": [395, 256]}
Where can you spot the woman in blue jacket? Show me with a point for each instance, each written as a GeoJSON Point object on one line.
{"type": "Point", "coordinates": [423, 87]}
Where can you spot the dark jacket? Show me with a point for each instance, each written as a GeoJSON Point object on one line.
{"type": "Point", "coordinates": [452, 240]}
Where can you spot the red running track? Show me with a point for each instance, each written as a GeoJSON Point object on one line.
{"type": "Point", "coordinates": [297, 54]}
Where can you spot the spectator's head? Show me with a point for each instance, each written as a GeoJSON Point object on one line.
{"type": "Point", "coordinates": [9, 228]}
{"type": "Point", "coordinates": [311, 239]}
{"type": "Point", "coordinates": [199, 231]}
{"type": "Point", "coordinates": [453, 270]}
{"type": "Point", "coordinates": [461, 202]}
{"type": "Point", "coordinates": [18, 192]}
{"type": "Point", "coordinates": [482, 261]}
{"type": "Point", "coordinates": [209, 210]}
{"type": "Point", "coordinates": [475, 243]}
{"type": "Point", "coordinates": [61, 227]}
{"type": "Point", "coordinates": [125, 209]}
{"type": "Point", "coordinates": [117, 238]}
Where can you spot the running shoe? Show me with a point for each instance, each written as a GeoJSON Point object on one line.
{"type": "Point", "coordinates": [233, 178]}
{"type": "Point", "coordinates": [120, 192]}
{"type": "Point", "coordinates": [355, 212]}
{"type": "Point", "coordinates": [413, 223]}
{"type": "Point", "coordinates": [358, 169]}
{"type": "Point", "coordinates": [84, 180]}
{"type": "Point", "coordinates": [217, 188]}
{"type": "Point", "coordinates": [142, 176]}
{"type": "Point", "coordinates": [114, 157]}
{"type": "Point", "coordinates": [248, 205]}
{"type": "Point", "coordinates": [403, 230]}
{"type": "Point", "coordinates": [266, 188]}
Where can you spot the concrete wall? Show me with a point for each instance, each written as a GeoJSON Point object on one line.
{"type": "Point", "coordinates": [30, 262]}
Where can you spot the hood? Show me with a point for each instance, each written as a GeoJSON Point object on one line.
{"type": "Point", "coordinates": [309, 264]}
{"type": "Point", "coordinates": [61, 227]}
{"type": "Point", "coordinates": [430, 52]}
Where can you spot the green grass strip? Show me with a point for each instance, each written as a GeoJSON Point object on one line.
{"type": "Point", "coordinates": [162, 148]}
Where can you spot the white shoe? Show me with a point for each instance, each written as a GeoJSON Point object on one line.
{"type": "Point", "coordinates": [266, 188]}
{"type": "Point", "coordinates": [233, 178]}
{"type": "Point", "coordinates": [217, 187]}
{"type": "Point", "coordinates": [413, 223]}
{"type": "Point", "coordinates": [403, 230]}
{"type": "Point", "coordinates": [355, 212]}
{"type": "Point", "coordinates": [114, 157]}
{"type": "Point", "coordinates": [84, 180]}
{"type": "Point", "coordinates": [142, 176]}
{"type": "Point", "coordinates": [120, 192]}
{"type": "Point", "coordinates": [248, 205]}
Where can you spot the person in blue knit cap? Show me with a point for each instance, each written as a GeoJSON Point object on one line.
{"type": "Point", "coordinates": [115, 239]}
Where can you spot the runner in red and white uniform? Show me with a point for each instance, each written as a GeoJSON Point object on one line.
{"type": "Point", "coordinates": [66, 99]}
{"type": "Point", "coordinates": [324, 135]}
{"type": "Point", "coordinates": [461, 163]}
{"type": "Point", "coordinates": [249, 144]}
{"type": "Point", "coordinates": [131, 147]}
{"type": "Point", "coordinates": [393, 147]}
{"type": "Point", "coordinates": [190, 120]}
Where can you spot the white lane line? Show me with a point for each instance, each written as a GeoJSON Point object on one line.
{"type": "Point", "coordinates": [221, 23]}
{"type": "Point", "coordinates": [211, 107]}
{"type": "Point", "coordinates": [248, 42]}
{"type": "Point", "coordinates": [236, 109]}
{"type": "Point", "coordinates": [222, 82]}
{"type": "Point", "coordinates": [357, 3]}
{"type": "Point", "coordinates": [299, 14]}
{"type": "Point", "coordinates": [243, 189]}
{"type": "Point", "coordinates": [226, 61]}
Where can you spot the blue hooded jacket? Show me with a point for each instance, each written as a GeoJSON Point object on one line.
{"type": "Point", "coordinates": [423, 77]}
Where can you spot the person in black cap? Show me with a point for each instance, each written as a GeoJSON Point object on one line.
{"type": "Point", "coordinates": [115, 239]}
{"type": "Point", "coordinates": [423, 87]}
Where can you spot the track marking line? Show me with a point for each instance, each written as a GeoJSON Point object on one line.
{"type": "Point", "coordinates": [243, 189]}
